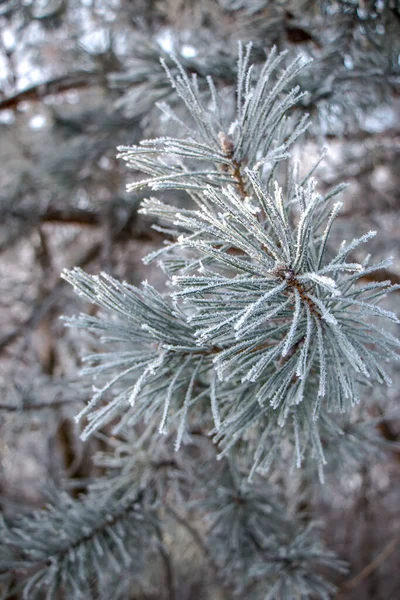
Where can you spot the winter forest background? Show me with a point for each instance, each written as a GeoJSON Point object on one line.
{"type": "Point", "coordinates": [79, 78]}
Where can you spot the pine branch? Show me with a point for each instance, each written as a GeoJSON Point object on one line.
{"type": "Point", "coordinates": [264, 250]}
{"type": "Point", "coordinates": [63, 546]}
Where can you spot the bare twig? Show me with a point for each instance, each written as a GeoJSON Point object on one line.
{"type": "Point", "coordinates": [41, 309]}
{"type": "Point", "coordinates": [196, 537]}
{"type": "Point", "coordinates": [71, 81]}
{"type": "Point", "coordinates": [71, 216]}
{"type": "Point", "coordinates": [193, 533]}
{"type": "Point", "coordinates": [165, 557]}
{"type": "Point", "coordinates": [370, 568]}
{"type": "Point", "coordinates": [39, 406]}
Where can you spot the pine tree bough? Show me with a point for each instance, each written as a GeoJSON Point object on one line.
{"type": "Point", "coordinates": [68, 545]}
{"type": "Point", "coordinates": [266, 326]}
{"type": "Point", "coordinates": [265, 335]}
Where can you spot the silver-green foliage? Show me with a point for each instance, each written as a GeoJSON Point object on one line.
{"type": "Point", "coordinates": [267, 331]}
{"type": "Point", "coordinates": [77, 546]}
{"type": "Point", "coordinates": [261, 547]}
{"type": "Point", "coordinates": [110, 542]}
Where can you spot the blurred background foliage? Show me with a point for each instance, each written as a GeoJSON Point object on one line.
{"type": "Point", "coordinates": [78, 78]}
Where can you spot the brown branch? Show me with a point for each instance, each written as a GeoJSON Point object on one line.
{"type": "Point", "coordinates": [287, 274]}
{"type": "Point", "coordinates": [193, 533]}
{"type": "Point", "coordinates": [71, 216]}
{"type": "Point", "coordinates": [36, 316]}
{"type": "Point", "coordinates": [227, 148]}
{"type": "Point", "coordinates": [237, 174]}
{"type": "Point", "coordinates": [57, 85]}
{"type": "Point", "coordinates": [41, 309]}
{"type": "Point", "coordinates": [196, 537]}
{"type": "Point", "coordinates": [370, 568]}
{"type": "Point", "coordinates": [40, 406]}
{"type": "Point", "coordinates": [382, 275]}
{"type": "Point", "coordinates": [87, 218]}
{"type": "Point", "coordinates": [391, 134]}
{"type": "Point", "coordinates": [166, 559]}
{"type": "Point", "coordinates": [386, 431]}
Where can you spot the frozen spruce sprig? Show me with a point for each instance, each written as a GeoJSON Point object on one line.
{"type": "Point", "coordinates": [267, 334]}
